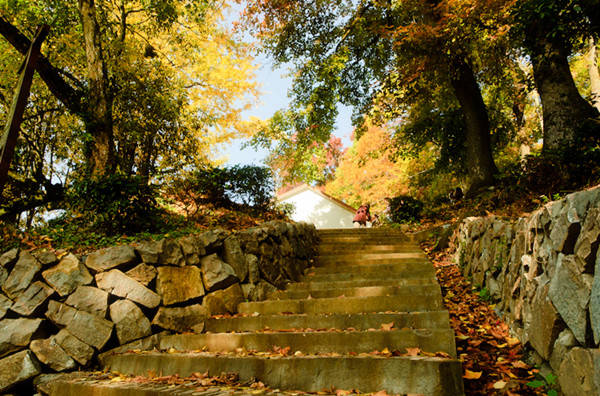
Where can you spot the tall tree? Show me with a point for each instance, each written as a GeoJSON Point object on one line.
{"type": "Point", "coordinates": [352, 52]}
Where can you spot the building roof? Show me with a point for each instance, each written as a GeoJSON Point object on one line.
{"type": "Point", "coordinates": [304, 187]}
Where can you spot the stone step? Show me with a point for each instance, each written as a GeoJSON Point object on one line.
{"type": "Point", "coordinates": [423, 272]}
{"type": "Point", "coordinates": [310, 286]}
{"type": "Point", "coordinates": [81, 383]}
{"type": "Point", "coordinates": [404, 267]}
{"type": "Point", "coordinates": [316, 342]}
{"type": "Point", "coordinates": [432, 290]}
{"type": "Point", "coordinates": [397, 375]}
{"type": "Point", "coordinates": [409, 303]}
{"type": "Point", "coordinates": [360, 321]}
{"type": "Point", "coordinates": [341, 248]}
{"type": "Point", "coordinates": [357, 240]}
{"type": "Point", "coordinates": [361, 255]}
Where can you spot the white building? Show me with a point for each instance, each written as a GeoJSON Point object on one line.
{"type": "Point", "coordinates": [314, 206]}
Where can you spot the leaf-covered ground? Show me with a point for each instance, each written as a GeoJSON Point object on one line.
{"type": "Point", "coordinates": [493, 361]}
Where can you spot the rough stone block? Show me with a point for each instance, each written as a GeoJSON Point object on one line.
{"type": "Point", "coordinates": [577, 373]}
{"type": "Point", "coordinates": [143, 344]}
{"type": "Point", "coordinates": [67, 275]}
{"type": "Point", "coordinates": [45, 257]}
{"type": "Point", "coordinates": [545, 323]}
{"type": "Point", "coordinates": [181, 320]}
{"type": "Point", "coordinates": [5, 304]}
{"type": "Point", "coordinates": [112, 257]}
{"type": "Point", "coordinates": [261, 291]}
{"type": "Point", "coordinates": [28, 301]}
{"type": "Point", "coordinates": [130, 322]}
{"type": "Point", "coordinates": [17, 368]}
{"type": "Point", "coordinates": [119, 284]}
{"type": "Point", "coordinates": [233, 255]}
{"type": "Point", "coordinates": [565, 341]}
{"type": "Point", "coordinates": [52, 355]}
{"type": "Point", "coordinates": [21, 275]}
{"type": "Point", "coordinates": [9, 258]}
{"type": "Point", "coordinates": [150, 251]}
{"type": "Point", "coordinates": [217, 274]}
{"type": "Point", "coordinates": [85, 326]}
{"type": "Point", "coordinates": [142, 273]}
{"type": "Point", "coordinates": [89, 299]}
{"type": "Point", "coordinates": [171, 253]}
{"type": "Point", "coordinates": [253, 271]}
{"type": "Point", "coordinates": [586, 246]}
{"type": "Point", "coordinates": [15, 334]}
{"type": "Point", "coordinates": [192, 249]}
{"type": "Point", "coordinates": [565, 231]}
{"type": "Point", "coordinates": [179, 284]}
{"type": "Point", "coordinates": [595, 302]}
{"type": "Point", "coordinates": [231, 297]}
{"type": "Point", "coordinates": [78, 350]}
{"type": "Point", "coordinates": [570, 293]}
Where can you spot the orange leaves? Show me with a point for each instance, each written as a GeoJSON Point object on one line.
{"type": "Point", "coordinates": [472, 374]}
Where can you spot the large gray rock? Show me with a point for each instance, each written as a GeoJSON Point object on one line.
{"type": "Point", "coordinates": [565, 341]}
{"type": "Point", "coordinates": [586, 246]}
{"type": "Point", "coordinates": [112, 257]}
{"type": "Point", "coordinates": [570, 293]}
{"type": "Point", "coordinates": [67, 275]}
{"type": "Point", "coordinates": [261, 291]}
{"type": "Point", "coordinates": [142, 273]}
{"type": "Point", "coordinates": [15, 334]}
{"type": "Point", "coordinates": [86, 327]}
{"type": "Point", "coordinates": [150, 251]}
{"type": "Point", "coordinates": [119, 284]}
{"type": "Point", "coordinates": [45, 257]}
{"type": "Point", "coordinates": [78, 350]}
{"type": "Point", "coordinates": [566, 230]}
{"type": "Point", "coordinates": [577, 373]}
{"type": "Point", "coordinates": [21, 275]}
{"type": "Point", "coordinates": [52, 355]}
{"type": "Point", "coordinates": [28, 301]}
{"type": "Point", "coordinates": [130, 322]}
{"type": "Point", "coordinates": [184, 319]}
{"type": "Point", "coordinates": [9, 258]}
{"type": "Point", "coordinates": [595, 302]}
{"type": "Point", "coordinates": [217, 274]}
{"type": "Point", "coordinates": [233, 255]}
{"type": "Point", "coordinates": [179, 284]}
{"type": "Point", "coordinates": [192, 249]}
{"type": "Point", "coordinates": [3, 276]}
{"type": "Point", "coordinates": [5, 304]}
{"type": "Point", "coordinates": [89, 299]}
{"type": "Point", "coordinates": [171, 253]}
{"type": "Point", "coordinates": [213, 239]}
{"type": "Point", "coordinates": [17, 368]}
{"type": "Point", "coordinates": [253, 271]}
{"type": "Point", "coordinates": [224, 300]}
{"type": "Point", "coordinates": [545, 323]}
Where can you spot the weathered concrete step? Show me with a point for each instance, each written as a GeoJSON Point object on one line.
{"type": "Point", "coordinates": [395, 267]}
{"type": "Point", "coordinates": [369, 262]}
{"type": "Point", "coordinates": [317, 342]}
{"type": "Point", "coordinates": [361, 255]}
{"type": "Point", "coordinates": [408, 303]}
{"type": "Point", "coordinates": [357, 240]}
{"type": "Point", "coordinates": [83, 384]}
{"type": "Point", "coordinates": [367, 291]}
{"type": "Point", "coordinates": [309, 286]}
{"type": "Point", "coordinates": [422, 272]}
{"type": "Point", "coordinates": [397, 375]}
{"type": "Point", "coordinates": [360, 321]}
{"type": "Point", "coordinates": [342, 246]}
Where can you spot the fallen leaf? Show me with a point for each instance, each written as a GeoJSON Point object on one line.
{"type": "Point", "coordinates": [413, 351]}
{"type": "Point", "coordinates": [499, 385]}
{"type": "Point", "coordinates": [472, 374]}
{"type": "Point", "coordinates": [387, 326]}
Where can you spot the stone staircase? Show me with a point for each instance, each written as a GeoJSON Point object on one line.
{"type": "Point", "coordinates": [346, 325]}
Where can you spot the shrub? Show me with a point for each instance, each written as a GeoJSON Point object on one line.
{"type": "Point", "coordinates": [404, 209]}
{"type": "Point", "coordinates": [115, 204]}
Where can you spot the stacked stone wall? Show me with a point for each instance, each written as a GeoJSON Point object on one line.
{"type": "Point", "coordinates": [543, 273]}
{"type": "Point", "coordinates": [59, 312]}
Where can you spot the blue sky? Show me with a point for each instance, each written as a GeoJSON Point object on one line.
{"type": "Point", "coordinates": [274, 88]}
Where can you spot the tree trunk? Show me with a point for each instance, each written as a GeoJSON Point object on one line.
{"type": "Point", "coordinates": [563, 108]}
{"type": "Point", "coordinates": [480, 161]}
{"type": "Point", "coordinates": [98, 117]}
{"type": "Point", "coordinates": [594, 74]}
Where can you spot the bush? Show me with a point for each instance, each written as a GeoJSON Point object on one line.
{"type": "Point", "coordinates": [405, 209]}
{"type": "Point", "coordinates": [115, 204]}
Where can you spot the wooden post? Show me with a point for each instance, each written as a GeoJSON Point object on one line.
{"type": "Point", "coordinates": [15, 116]}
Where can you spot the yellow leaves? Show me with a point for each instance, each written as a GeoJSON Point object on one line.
{"type": "Point", "coordinates": [472, 375]}
{"type": "Point", "coordinates": [499, 385]}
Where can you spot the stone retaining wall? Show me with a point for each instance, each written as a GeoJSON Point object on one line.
{"type": "Point", "coordinates": [57, 313]}
{"type": "Point", "coordinates": [540, 271]}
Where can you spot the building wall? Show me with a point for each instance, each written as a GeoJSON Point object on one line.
{"type": "Point", "coordinates": [323, 213]}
